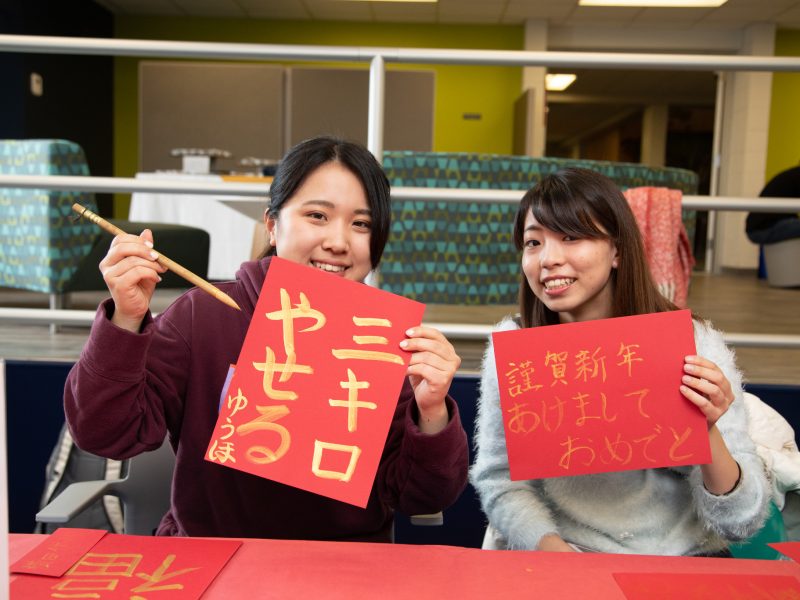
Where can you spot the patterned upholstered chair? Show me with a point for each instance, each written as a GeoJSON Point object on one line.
{"type": "Point", "coordinates": [44, 249]}
{"type": "Point", "coordinates": [463, 253]}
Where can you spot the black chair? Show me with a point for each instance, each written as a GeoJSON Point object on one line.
{"type": "Point", "coordinates": [45, 249]}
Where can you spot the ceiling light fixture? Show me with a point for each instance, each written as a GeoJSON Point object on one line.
{"type": "Point", "coordinates": [655, 3]}
{"type": "Point", "coordinates": [558, 82]}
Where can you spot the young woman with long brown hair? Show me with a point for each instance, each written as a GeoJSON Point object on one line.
{"type": "Point", "coordinates": [583, 259]}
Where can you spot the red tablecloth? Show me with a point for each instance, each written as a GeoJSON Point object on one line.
{"type": "Point", "coordinates": [297, 569]}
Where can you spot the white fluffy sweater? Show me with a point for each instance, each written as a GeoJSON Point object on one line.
{"type": "Point", "coordinates": [654, 511]}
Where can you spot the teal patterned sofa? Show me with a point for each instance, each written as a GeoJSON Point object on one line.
{"type": "Point", "coordinates": [43, 248]}
{"type": "Point", "coordinates": [463, 252]}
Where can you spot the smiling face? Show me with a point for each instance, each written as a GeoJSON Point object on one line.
{"type": "Point", "coordinates": [570, 275]}
{"type": "Point", "coordinates": [325, 224]}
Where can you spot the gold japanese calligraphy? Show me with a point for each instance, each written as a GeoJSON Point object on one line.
{"type": "Point", "coordinates": [534, 408]}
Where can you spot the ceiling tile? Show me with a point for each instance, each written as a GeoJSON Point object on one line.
{"type": "Point", "coordinates": [771, 3]}
{"type": "Point", "coordinates": [672, 16]}
{"type": "Point", "coordinates": [734, 14]}
{"type": "Point", "coordinates": [602, 14]}
{"type": "Point", "coordinates": [522, 12]}
{"type": "Point", "coordinates": [211, 8]}
{"type": "Point", "coordinates": [466, 19]}
{"type": "Point", "coordinates": [334, 10]}
{"type": "Point", "coordinates": [535, 4]}
{"type": "Point", "coordinates": [790, 18]}
{"type": "Point", "coordinates": [494, 6]}
{"type": "Point", "coordinates": [491, 14]}
{"type": "Point", "coordinates": [404, 11]}
{"type": "Point", "coordinates": [275, 9]}
{"type": "Point", "coordinates": [742, 14]}
{"type": "Point", "coordinates": [158, 8]}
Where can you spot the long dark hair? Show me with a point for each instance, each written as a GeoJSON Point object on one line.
{"type": "Point", "coordinates": [586, 204]}
{"type": "Point", "coordinates": [307, 156]}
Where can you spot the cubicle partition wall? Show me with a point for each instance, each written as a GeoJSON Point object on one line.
{"type": "Point", "coordinates": [260, 111]}
{"type": "Point", "coordinates": [229, 106]}
{"type": "Point", "coordinates": [335, 101]}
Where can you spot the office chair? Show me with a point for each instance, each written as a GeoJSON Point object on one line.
{"type": "Point", "coordinates": [144, 492]}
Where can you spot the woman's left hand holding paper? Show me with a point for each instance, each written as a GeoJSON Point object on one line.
{"type": "Point", "coordinates": [705, 385]}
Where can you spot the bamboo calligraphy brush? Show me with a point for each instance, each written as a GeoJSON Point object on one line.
{"type": "Point", "coordinates": [162, 260]}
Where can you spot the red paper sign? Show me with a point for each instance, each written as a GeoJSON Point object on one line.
{"type": "Point", "coordinates": [316, 384]}
{"type": "Point", "coordinates": [121, 567]}
{"type": "Point", "coordinates": [790, 549]}
{"type": "Point", "coordinates": [599, 396]}
{"type": "Point", "coordinates": [58, 552]}
{"type": "Point", "coordinates": [705, 586]}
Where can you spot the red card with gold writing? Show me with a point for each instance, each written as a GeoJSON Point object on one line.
{"type": "Point", "coordinates": [316, 384]}
{"type": "Point", "coordinates": [704, 586]}
{"type": "Point", "coordinates": [58, 551]}
{"type": "Point", "coordinates": [599, 396]}
{"type": "Point", "coordinates": [130, 566]}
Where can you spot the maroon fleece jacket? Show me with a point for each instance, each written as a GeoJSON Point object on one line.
{"type": "Point", "coordinates": [128, 390]}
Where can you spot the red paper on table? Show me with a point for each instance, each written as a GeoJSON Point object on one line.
{"type": "Point", "coordinates": [58, 552]}
{"type": "Point", "coordinates": [790, 549]}
{"type": "Point", "coordinates": [316, 383]}
{"type": "Point", "coordinates": [598, 396]}
{"type": "Point", "coordinates": [121, 567]}
{"type": "Point", "coordinates": [703, 586]}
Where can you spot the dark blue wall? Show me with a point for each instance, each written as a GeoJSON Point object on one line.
{"type": "Point", "coordinates": [77, 103]}
{"type": "Point", "coordinates": [34, 416]}
{"type": "Point", "coordinates": [464, 522]}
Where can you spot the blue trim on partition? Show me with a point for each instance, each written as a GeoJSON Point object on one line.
{"type": "Point", "coordinates": [775, 392]}
{"type": "Point", "coordinates": [35, 415]}
{"type": "Point", "coordinates": [464, 522]}
{"type": "Point", "coordinates": [783, 398]}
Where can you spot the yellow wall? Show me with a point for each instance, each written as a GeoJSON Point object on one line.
{"type": "Point", "coordinates": [783, 149]}
{"type": "Point", "coordinates": [488, 90]}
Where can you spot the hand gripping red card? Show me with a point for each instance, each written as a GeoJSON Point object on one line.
{"type": "Point", "coordinates": [316, 384]}
{"type": "Point", "coordinates": [599, 396]}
